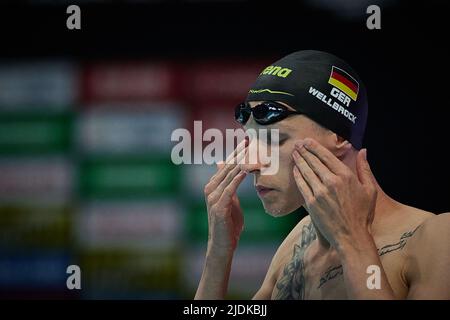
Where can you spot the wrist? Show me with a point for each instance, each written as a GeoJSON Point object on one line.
{"type": "Point", "coordinates": [219, 251]}
{"type": "Point", "coordinates": [357, 244]}
{"type": "Point", "coordinates": [218, 261]}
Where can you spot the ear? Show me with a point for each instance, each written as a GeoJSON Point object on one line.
{"type": "Point", "coordinates": [341, 146]}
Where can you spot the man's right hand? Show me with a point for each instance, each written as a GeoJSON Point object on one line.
{"type": "Point", "coordinates": [225, 218]}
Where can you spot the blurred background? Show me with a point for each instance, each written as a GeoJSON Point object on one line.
{"type": "Point", "coordinates": [86, 118]}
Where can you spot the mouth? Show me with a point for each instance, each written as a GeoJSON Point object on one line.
{"type": "Point", "coordinates": [262, 191]}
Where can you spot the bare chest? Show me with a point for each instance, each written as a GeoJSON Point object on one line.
{"type": "Point", "coordinates": [303, 277]}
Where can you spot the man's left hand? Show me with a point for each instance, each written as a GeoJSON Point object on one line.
{"type": "Point", "coordinates": [341, 203]}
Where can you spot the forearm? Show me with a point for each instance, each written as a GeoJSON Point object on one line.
{"type": "Point", "coordinates": [356, 257]}
{"type": "Point", "coordinates": [216, 272]}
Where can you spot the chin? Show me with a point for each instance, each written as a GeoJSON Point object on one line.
{"type": "Point", "coordinates": [279, 210]}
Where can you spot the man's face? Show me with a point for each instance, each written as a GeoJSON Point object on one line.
{"type": "Point", "coordinates": [279, 192]}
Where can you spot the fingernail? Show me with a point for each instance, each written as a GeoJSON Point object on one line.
{"type": "Point", "coordinates": [307, 142]}
{"type": "Point", "coordinates": [365, 153]}
{"type": "Point", "coordinates": [299, 144]}
{"type": "Point", "coordinates": [295, 154]}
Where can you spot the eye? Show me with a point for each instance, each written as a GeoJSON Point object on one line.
{"type": "Point", "coordinates": [280, 141]}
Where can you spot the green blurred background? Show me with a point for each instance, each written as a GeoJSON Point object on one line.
{"type": "Point", "coordinates": [87, 179]}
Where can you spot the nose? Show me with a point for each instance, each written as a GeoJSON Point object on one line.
{"type": "Point", "coordinates": [251, 162]}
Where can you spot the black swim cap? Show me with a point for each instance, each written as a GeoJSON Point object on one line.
{"type": "Point", "coordinates": [321, 86]}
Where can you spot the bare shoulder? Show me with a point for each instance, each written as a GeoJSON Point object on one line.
{"type": "Point", "coordinates": [407, 223]}
{"type": "Point", "coordinates": [428, 258]}
{"type": "Point", "coordinates": [434, 228]}
{"type": "Point", "coordinates": [282, 254]}
{"type": "Point", "coordinates": [417, 216]}
{"type": "Point", "coordinates": [438, 222]}
{"type": "Point", "coordinates": [412, 224]}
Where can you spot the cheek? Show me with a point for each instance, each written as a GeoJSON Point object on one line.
{"type": "Point", "coordinates": [286, 163]}
{"type": "Point", "coordinates": [286, 151]}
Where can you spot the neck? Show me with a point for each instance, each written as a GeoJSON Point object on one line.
{"type": "Point", "coordinates": [385, 207]}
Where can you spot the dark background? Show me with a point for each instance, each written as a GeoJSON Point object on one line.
{"type": "Point", "coordinates": [405, 64]}
{"type": "Point", "coordinates": [405, 67]}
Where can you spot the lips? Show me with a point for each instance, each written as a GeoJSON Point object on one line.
{"type": "Point", "coordinates": [262, 190]}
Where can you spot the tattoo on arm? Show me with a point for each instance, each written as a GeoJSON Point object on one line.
{"type": "Point", "coordinates": [291, 285]}
{"type": "Point", "coordinates": [333, 272]}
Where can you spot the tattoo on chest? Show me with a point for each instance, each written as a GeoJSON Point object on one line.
{"type": "Point", "coordinates": [291, 285]}
{"type": "Point", "coordinates": [335, 271]}
{"type": "Point", "coordinates": [331, 273]}
{"type": "Point", "coordinates": [399, 245]}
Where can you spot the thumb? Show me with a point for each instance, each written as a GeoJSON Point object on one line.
{"type": "Point", "coordinates": [365, 175]}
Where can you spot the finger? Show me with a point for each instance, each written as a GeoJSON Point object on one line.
{"type": "Point", "coordinates": [305, 190]}
{"type": "Point", "coordinates": [236, 212]}
{"type": "Point", "coordinates": [220, 175]}
{"type": "Point", "coordinates": [241, 146]}
{"type": "Point", "coordinates": [231, 189]}
{"type": "Point", "coordinates": [224, 168]}
{"type": "Point", "coordinates": [316, 165]}
{"type": "Point", "coordinates": [325, 155]}
{"type": "Point", "coordinates": [227, 180]}
{"type": "Point", "coordinates": [308, 174]}
{"type": "Point", "coordinates": [220, 165]}
{"type": "Point", "coordinates": [238, 156]}
{"type": "Point", "coordinates": [232, 158]}
{"type": "Point", "coordinates": [218, 189]}
{"type": "Point", "coordinates": [232, 171]}
{"type": "Point", "coordinates": [363, 170]}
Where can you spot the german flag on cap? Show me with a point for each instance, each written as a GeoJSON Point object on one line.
{"type": "Point", "coordinates": [344, 82]}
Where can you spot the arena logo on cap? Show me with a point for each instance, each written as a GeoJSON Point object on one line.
{"type": "Point", "coordinates": [344, 82]}
{"type": "Point", "coordinates": [277, 71]}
